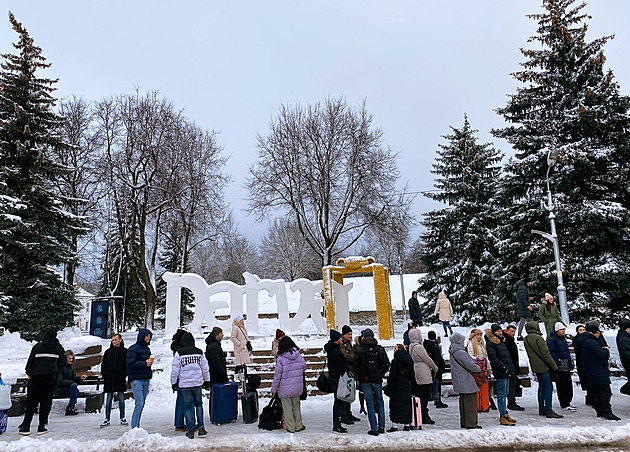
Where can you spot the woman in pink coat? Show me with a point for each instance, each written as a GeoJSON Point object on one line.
{"type": "Point", "coordinates": [288, 382]}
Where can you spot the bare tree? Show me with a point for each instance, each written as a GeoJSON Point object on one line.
{"type": "Point", "coordinates": [326, 166]}
{"type": "Point", "coordinates": [285, 253]}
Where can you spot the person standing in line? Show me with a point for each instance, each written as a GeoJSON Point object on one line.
{"type": "Point", "coordinates": [371, 364]}
{"type": "Point", "coordinates": [502, 369]}
{"type": "Point", "coordinates": [549, 313]}
{"type": "Point", "coordinates": [406, 340]}
{"type": "Point", "coordinates": [444, 311]}
{"type": "Point", "coordinates": [434, 349]}
{"type": "Point", "coordinates": [276, 342]}
{"type": "Point", "coordinates": [240, 339]}
{"type": "Point", "coordinates": [288, 383]}
{"type": "Point", "coordinates": [179, 421]}
{"type": "Point", "coordinates": [399, 383]}
{"type": "Point", "coordinates": [347, 349]}
{"type": "Point", "coordinates": [216, 359]}
{"type": "Point", "coordinates": [362, 410]}
{"type": "Point", "coordinates": [114, 373]}
{"type": "Point", "coordinates": [189, 373]}
{"type": "Point", "coordinates": [595, 360]}
{"type": "Point", "coordinates": [423, 367]}
{"type": "Point", "coordinates": [139, 372]}
{"type": "Point", "coordinates": [42, 368]}
{"type": "Point", "coordinates": [540, 361]}
{"type": "Point", "coordinates": [67, 381]}
{"type": "Point", "coordinates": [623, 346]}
{"type": "Point", "coordinates": [337, 366]}
{"type": "Point", "coordinates": [462, 364]}
{"type": "Point", "coordinates": [524, 310]}
{"type": "Point", "coordinates": [559, 349]}
{"type": "Point", "coordinates": [577, 342]}
{"type": "Point", "coordinates": [508, 334]}
{"type": "Point", "coordinates": [415, 313]}
{"type": "Point", "coordinates": [476, 348]}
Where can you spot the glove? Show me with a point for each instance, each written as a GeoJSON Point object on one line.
{"type": "Point", "coordinates": [206, 385]}
{"type": "Point", "coordinates": [175, 387]}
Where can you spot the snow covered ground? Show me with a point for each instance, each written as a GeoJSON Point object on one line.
{"type": "Point", "coordinates": [578, 431]}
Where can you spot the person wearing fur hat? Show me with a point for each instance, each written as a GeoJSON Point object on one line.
{"type": "Point", "coordinates": [424, 368]}
{"type": "Point", "coordinates": [371, 364]}
{"type": "Point", "coordinates": [502, 369]}
{"type": "Point", "coordinates": [275, 342]}
{"type": "Point", "coordinates": [559, 349]}
{"type": "Point", "coordinates": [240, 339]}
{"type": "Point", "coordinates": [434, 350]}
{"type": "Point", "coordinates": [347, 349]}
{"type": "Point", "coordinates": [462, 365]}
{"type": "Point", "coordinates": [595, 362]}
{"type": "Point", "coordinates": [549, 313]}
{"type": "Point", "coordinates": [216, 358]}
{"type": "Point", "coordinates": [444, 311]}
{"type": "Point", "coordinates": [540, 361]}
{"type": "Point", "coordinates": [623, 346]}
{"type": "Point", "coordinates": [337, 366]}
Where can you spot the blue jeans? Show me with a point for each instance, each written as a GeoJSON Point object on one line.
{"type": "Point", "coordinates": [545, 392]}
{"type": "Point", "coordinates": [140, 390]}
{"type": "Point", "coordinates": [373, 393]}
{"type": "Point", "coordinates": [193, 405]}
{"type": "Point", "coordinates": [121, 404]}
{"type": "Point", "coordinates": [446, 324]}
{"type": "Point", "coordinates": [179, 410]}
{"type": "Point", "coordinates": [503, 388]}
{"type": "Point", "coordinates": [72, 391]}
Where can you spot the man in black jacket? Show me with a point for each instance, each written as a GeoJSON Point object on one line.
{"type": "Point", "coordinates": [414, 309]}
{"type": "Point", "coordinates": [502, 369]}
{"type": "Point", "coordinates": [508, 334]}
{"type": "Point", "coordinates": [67, 381]}
{"type": "Point", "coordinates": [114, 372]}
{"type": "Point", "coordinates": [623, 346]}
{"type": "Point", "coordinates": [371, 364]}
{"type": "Point", "coordinates": [179, 422]}
{"type": "Point", "coordinates": [524, 310]}
{"type": "Point", "coordinates": [337, 366]}
{"type": "Point", "coordinates": [434, 350]}
{"type": "Point", "coordinates": [42, 368]}
{"type": "Point", "coordinates": [216, 358]}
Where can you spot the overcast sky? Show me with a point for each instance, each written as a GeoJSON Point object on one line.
{"type": "Point", "coordinates": [419, 65]}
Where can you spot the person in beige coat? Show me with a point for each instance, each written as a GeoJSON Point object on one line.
{"type": "Point", "coordinates": [240, 339]}
{"type": "Point", "coordinates": [444, 311]}
{"type": "Point", "coordinates": [424, 369]}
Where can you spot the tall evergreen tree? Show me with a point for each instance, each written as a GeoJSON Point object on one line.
{"type": "Point", "coordinates": [35, 223]}
{"type": "Point", "coordinates": [171, 261]}
{"type": "Point", "coordinates": [569, 103]}
{"type": "Point", "coordinates": [459, 242]}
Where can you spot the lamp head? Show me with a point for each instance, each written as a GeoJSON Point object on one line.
{"type": "Point", "coordinates": [552, 157]}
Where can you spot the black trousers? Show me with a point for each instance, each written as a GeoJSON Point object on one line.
{"type": "Point", "coordinates": [512, 391]}
{"type": "Point", "coordinates": [424, 392]}
{"type": "Point", "coordinates": [601, 398]}
{"type": "Point", "coordinates": [40, 391]}
{"type": "Point", "coordinates": [564, 387]}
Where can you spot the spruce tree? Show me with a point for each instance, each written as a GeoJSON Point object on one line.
{"type": "Point", "coordinates": [171, 261]}
{"type": "Point", "coordinates": [35, 222]}
{"type": "Point", "coordinates": [569, 103]}
{"type": "Point", "coordinates": [459, 244]}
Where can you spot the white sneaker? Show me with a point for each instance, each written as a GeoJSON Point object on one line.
{"type": "Point", "coordinates": [105, 423]}
{"type": "Point", "coordinates": [123, 421]}
{"type": "Point", "coordinates": [570, 409]}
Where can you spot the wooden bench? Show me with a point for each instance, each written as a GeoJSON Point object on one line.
{"type": "Point", "coordinates": [89, 389]}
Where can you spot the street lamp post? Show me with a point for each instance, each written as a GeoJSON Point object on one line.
{"type": "Point", "coordinates": [552, 156]}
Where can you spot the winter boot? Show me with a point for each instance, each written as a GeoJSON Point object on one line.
{"type": "Point", "coordinates": [505, 421]}
{"type": "Point", "coordinates": [70, 411]}
{"type": "Point", "coordinates": [507, 416]}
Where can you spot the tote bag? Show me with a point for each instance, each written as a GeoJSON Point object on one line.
{"type": "Point", "coordinates": [347, 388]}
{"type": "Point", "coordinates": [5, 396]}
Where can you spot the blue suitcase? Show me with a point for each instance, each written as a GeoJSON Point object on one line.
{"type": "Point", "coordinates": [223, 403]}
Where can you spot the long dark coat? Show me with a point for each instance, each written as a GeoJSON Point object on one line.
{"type": "Point", "coordinates": [400, 381]}
{"type": "Point", "coordinates": [595, 361]}
{"type": "Point", "coordinates": [114, 368]}
{"type": "Point", "coordinates": [623, 345]}
{"type": "Point", "coordinates": [337, 365]}
{"type": "Point", "coordinates": [216, 360]}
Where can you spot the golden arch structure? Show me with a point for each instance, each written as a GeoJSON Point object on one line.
{"type": "Point", "coordinates": [384, 316]}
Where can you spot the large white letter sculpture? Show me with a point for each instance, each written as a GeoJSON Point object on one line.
{"type": "Point", "coordinates": [206, 309]}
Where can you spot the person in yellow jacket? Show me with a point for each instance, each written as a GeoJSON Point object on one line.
{"type": "Point", "coordinates": [444, 311]}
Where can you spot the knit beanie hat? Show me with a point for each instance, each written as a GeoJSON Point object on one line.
{"type": "Point", "coordinates": [457, 338]}
{"type": "Point", "coordinates": [367, 333]}
{"type": "Point", "coordinates": [592, 328]}
{"type": "Point", "coordinates": [216, 331]}
{"type": "Point", "coordinates": [495, 327]}
{"type": "Point", "coordinates": [559, 326]}
{"type": "Point", "coordinates": [279, 333]}
{"type": "Point", "coordinates": [238, 318]}
{"type": "Point", "coordinates": [335, 335]}
{"type": "Point", "coordinates": [345, 330]}
{"type": "Point", "coordinates": [431, 335]}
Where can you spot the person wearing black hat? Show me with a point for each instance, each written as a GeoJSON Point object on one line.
{"type": "Point", "coordinates": [524, 310]}
{"type": "Point", "coordinates": [502, 369]}
{"type": "Point", "coordinates": [337, 366]}
{"type": "Point", "coordinates": [347, 349]}
{"type": "Point", "coordinates": [623, 345]}
{"type": "Point", "coordinates": [595, 362]}
{"type": "Point", "coordinates": [434, 350]}
{"type": "Point", "coordinates": [216, 358]}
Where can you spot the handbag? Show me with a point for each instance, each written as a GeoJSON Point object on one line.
{"type": "Point", "coordinates": [322, 380]}
{"type": "Point", "coordinates": [304, 389]}
{"type": "Point", "coordinates": [480, 378]}
{"type": "Point", "coordinates": [5, 396]}
{"type": "Point", "coordinates": [249, 346]}
{"type": "Point", "coordinates": [271, 416]}
{"type": "Point", "coordinates": [564, 365]}
{"type": "Point", "coordinates": [346, 389]}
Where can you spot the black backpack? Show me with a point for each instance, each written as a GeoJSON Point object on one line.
{"type": "Point", "coordinates": [373, 364]}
